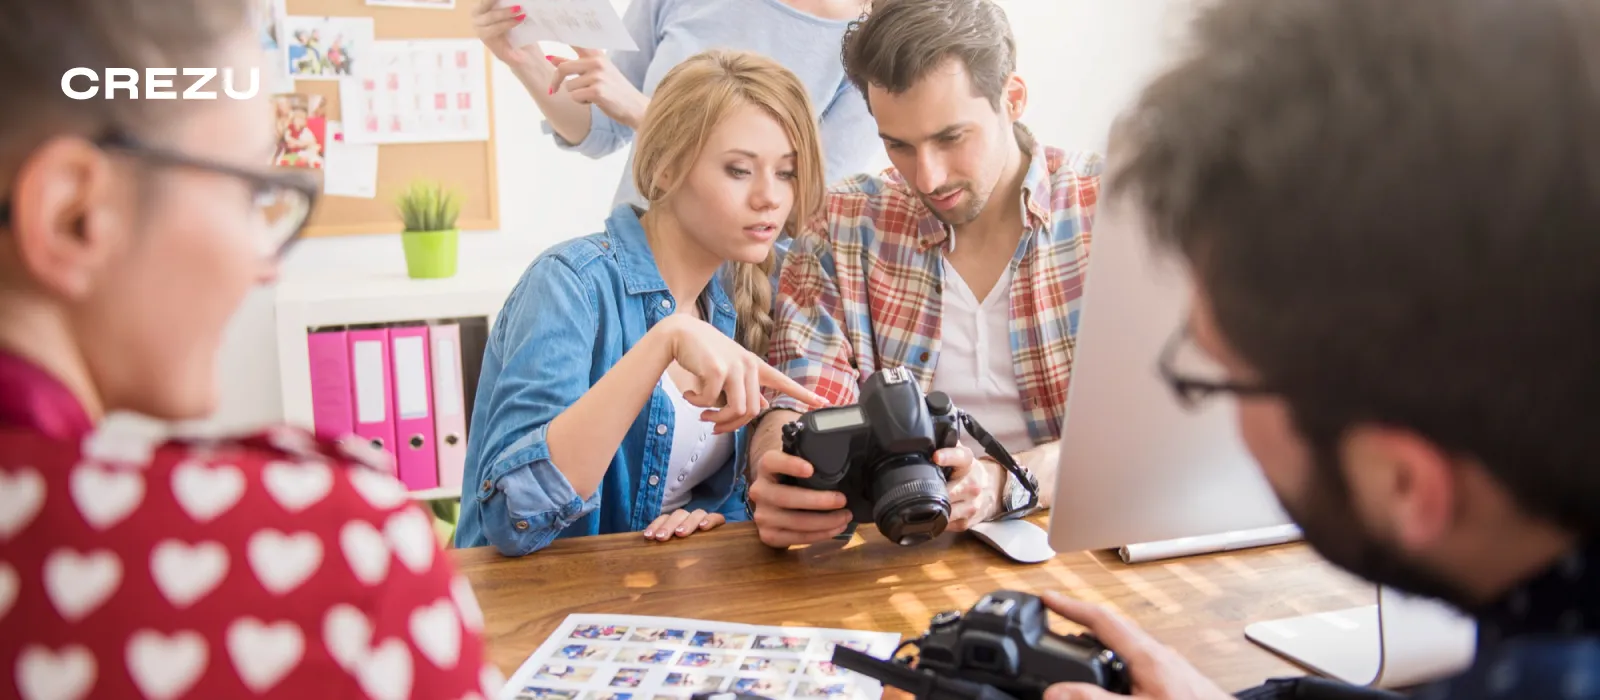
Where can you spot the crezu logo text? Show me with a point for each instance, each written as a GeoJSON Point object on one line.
{"type": "Point", "coordinates": [85, 83]}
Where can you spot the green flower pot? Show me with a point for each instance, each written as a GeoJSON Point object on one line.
{"type": "Point", "coordinates": [431, 254]}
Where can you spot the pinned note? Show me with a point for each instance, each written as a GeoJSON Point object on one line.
{"type": "Point", "coordinates": [592, 24]}
{"type": "Point", "coordinates": [351, 169]}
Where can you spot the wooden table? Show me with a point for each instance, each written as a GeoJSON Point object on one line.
{"type": "Point", "coordinates": [1198, 605]}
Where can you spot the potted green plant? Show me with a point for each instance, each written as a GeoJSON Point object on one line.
{"type": "Point", "coordinates": [428, 212]}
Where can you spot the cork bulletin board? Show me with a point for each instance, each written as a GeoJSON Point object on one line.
{"type": "Point", "coordinates": [467, 166]}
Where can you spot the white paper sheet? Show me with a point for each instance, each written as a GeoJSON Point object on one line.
{"type": "Point", "coordinates": [350, 169]}
{"type": "Point", "coordinates": [630, 657]}
{"type": "Point", "coordinates": [592, 24]}
{"type": "Point", "coordinates": [326, 48]}
{"type": "Point", "coordinates": [416, 91]}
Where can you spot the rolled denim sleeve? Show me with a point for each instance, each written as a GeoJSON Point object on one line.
{"type": "Point", "coordinates": [544, 338]}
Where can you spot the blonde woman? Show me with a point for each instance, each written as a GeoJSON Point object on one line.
{"type": "Point", "coordinates": [625, 364]}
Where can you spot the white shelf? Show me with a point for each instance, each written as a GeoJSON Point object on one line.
{"type": "Point", "coordinates": [369, 290]}
{"type": "Point", "coordinates": [388, 301]}
{"type": "Point", "coordinates": [438, 494]}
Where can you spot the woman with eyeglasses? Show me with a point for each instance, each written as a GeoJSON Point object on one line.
{"type": "Point", "coordinates": [130, 231]}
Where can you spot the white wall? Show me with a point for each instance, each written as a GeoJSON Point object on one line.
{"type": "Point", "coordinates": [1083, 60]}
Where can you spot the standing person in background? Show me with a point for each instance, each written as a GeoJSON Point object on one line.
{"type": "Point", "coordinates": [593, 104]}
{"type": "Point", "coordinates": [130, 231]}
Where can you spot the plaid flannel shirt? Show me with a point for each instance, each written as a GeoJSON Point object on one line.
{"type": "Point", "coordinates": [860, 290]}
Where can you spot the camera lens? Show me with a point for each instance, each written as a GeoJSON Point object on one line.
{"type": "Point", "coordinates": [910, 503]}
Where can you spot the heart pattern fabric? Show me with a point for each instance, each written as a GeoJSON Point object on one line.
{"type": "Point", "coordinates": [199, 573]}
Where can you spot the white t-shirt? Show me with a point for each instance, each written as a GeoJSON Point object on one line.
{"type": "Point", "coordinates": [697, 453]}
{"type": "Point", "coordinates": [976, 368]}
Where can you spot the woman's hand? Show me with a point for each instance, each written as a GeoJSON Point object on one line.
{"type": "Point", "coordinates": [591, 78]}
{"type": "Point", "coordinates": [493, 25]}
{"type": "Point", "coordinates": [728, 378]}
{"type": "Point", "coordinates": [682, 523]}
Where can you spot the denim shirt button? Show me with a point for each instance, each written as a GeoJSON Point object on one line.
{"type": "Point", "coordinates": [522, 524]}
{"type": "Point", "coordinates": [666, 303]}
{"type": "Point", "coordinates": [488, 485]}
{"type": "Point", "coordinates": [661, 429]}
{"type": "Point", "coordinates": [655, 480]}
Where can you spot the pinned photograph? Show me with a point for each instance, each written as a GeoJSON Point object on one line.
{"type": "Point", "coordinates": [645, 655]}
{"type": "Point", "coordinates": [584, 652]}
{"type": "Point", "coordinates": [607, 632]}
{"type": "Point", "coordinates": [762, 664]}
{"type": "Point", "coordinates": [302, 126]}
{"type": "Point", "coordinates": [769, 687]}
{"type": "Point", "coordinates": [539, 693]}
{"type": "Point", "coordinates": [695, 681]}
{"type": "Point", "coordinates": [267, 18]}
{"type": "Point", "coordinates": [564, 672]}
{"type": "Point", "coordinates": [773, 643]}
{"type": "Point", "coordinates": [659, 634]}
{"type": "Point", "coordinates": [702, 659]}
{"type": "Point", "coordinates": [719, 640]}
{"type": "Point", "coordinates": [606, 695]}
{"type": "Point", "coordinates": [629, 678]}
{"type": "Point", "coordinates": [326, 48]}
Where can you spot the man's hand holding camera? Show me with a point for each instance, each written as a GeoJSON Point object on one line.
{"type": "Point", "coordinates": [894, 457]}
{"type": "Point", "coordinates": [1157, 672]}
{"type": "Point", "coordinates": [787, 515]}
{"type": "Point", "coordinates": [975, 491]}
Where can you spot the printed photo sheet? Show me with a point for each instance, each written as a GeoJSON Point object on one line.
{"type": "Point", "coordinates": [624, 657]}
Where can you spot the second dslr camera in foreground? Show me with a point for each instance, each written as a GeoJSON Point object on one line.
{"type": "Point", "coordinates": [1002, 649]}
{"type": "Point", "coordinates": [879, 454]}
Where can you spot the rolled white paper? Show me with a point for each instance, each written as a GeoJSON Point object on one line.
{"type": "Point", "coordinates": [1206, 544]}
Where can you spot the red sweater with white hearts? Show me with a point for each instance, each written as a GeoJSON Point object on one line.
{"type": "Point", "coordinates": [274, 566]}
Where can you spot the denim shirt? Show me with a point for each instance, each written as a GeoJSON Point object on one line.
{"type": "Point", "coordinates": [577, 309]}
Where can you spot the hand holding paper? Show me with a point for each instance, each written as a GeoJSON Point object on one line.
{"type": "Point", "coordinates": [591, 23]}
{"type": "Point", "coordinates": [591, 78]}
{"type": "Point", "coordinates": [493, 20]}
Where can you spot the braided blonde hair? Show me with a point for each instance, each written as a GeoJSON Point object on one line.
{"type": "Point", "coordinates": [688, 104]}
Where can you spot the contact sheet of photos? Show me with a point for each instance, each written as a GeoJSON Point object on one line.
{"type": "Point", "coordinates": [612, 657]}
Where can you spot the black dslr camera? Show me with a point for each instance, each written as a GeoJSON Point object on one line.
{"type": "Point", "coordinates": [879, 454]}
{"type": "Point", "coordinates": [1002, 649]}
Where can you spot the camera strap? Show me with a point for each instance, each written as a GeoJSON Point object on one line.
{"type": "Point", "coordinates": [998, 453]}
